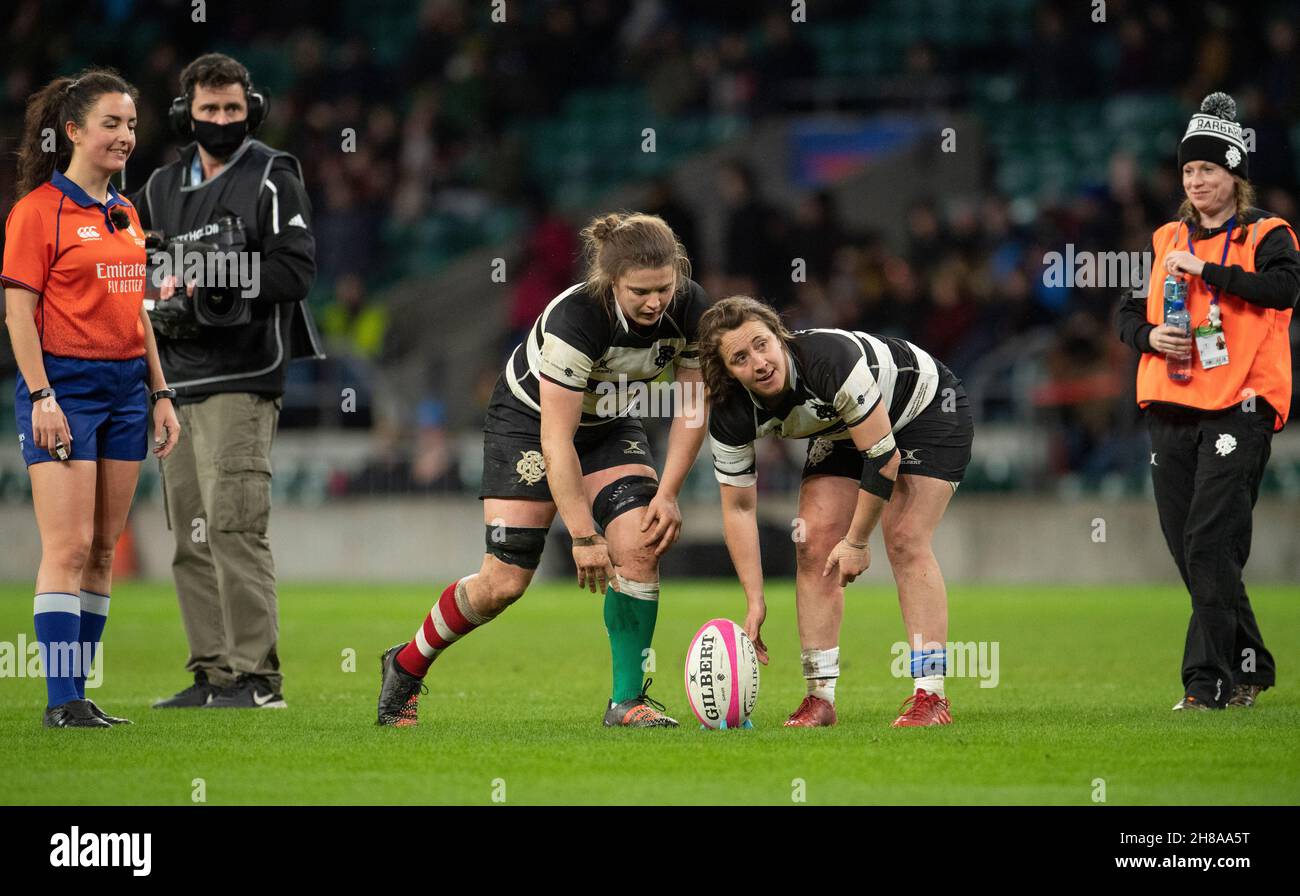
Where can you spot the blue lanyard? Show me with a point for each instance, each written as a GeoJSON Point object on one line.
{"type": "Point", "coordinates": [1227, 240]}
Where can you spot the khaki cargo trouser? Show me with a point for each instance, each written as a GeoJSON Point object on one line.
{"type": "Point", "coordinates": [217, 491]}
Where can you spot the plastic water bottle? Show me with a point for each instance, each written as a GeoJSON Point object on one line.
{"type": "Point", "coordinates": [1180, 369]}
{"type": "Point", "coordinates": [1175, 290]}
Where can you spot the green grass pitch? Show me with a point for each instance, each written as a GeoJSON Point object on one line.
{"type": "Point", "coordinates": [1087, 676]}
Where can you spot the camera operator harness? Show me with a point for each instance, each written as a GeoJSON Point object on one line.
{"type": "Point", "coordinates": [232, 333]}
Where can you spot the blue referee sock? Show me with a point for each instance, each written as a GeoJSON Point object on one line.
{"type": "Point", "coordinates": [58, 626]}
{"type": "Point", "coordinates": [94, 616]}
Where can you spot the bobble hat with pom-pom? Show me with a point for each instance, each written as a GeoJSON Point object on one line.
{"type": "Point", "coordinates": [1214, 135]}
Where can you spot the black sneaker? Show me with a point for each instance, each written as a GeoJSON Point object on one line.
{"type": "Point", "coordinates": [399, 692]}
{"type": "Point", "coordinates": [641, 711]}
{"type": "Point", "coordinates": [198, 694]}
{"type": "Point", "coordinates": [73, 714]}
{"type": "Point", "coordinates": [1245, 694]}
{"type": "Point", "coordinates": [100, 714]}
{"type": "Point", "coordinates": [248, 692]}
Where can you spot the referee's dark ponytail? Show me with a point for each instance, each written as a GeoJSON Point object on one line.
{"type": "Point", "coordinates": [45, 145]}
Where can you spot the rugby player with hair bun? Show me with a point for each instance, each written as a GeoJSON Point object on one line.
{"type": "Point", "coordinates": [551, 443]}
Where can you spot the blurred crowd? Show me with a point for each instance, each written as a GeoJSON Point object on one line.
{"type": "Point", "coordinates": [401, 110]}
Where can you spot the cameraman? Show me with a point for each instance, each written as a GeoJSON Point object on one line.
{"type": "Point", "coordinates": [230, 379]}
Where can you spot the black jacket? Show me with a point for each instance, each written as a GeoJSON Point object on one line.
{"type": "Point", "coordinates": [263, 187]}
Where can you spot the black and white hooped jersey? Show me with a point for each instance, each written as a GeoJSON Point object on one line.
{"type": "Point", "coordinates": [835, 378]}
{"type": "Point", "coordinates": [578, 344]}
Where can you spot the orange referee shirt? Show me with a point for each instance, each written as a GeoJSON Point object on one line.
{"type": "Point", "coordinates": [62, 245]}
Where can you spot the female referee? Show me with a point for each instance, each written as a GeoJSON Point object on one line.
{"type": "Point", "coordinates": [74, 269]}
{"type": "Point", "coordinates": [562, 434]}
{"type": "Point", "coordinates": [1211, 435]}
{"type": "Point", "coordinates": [889, 436]}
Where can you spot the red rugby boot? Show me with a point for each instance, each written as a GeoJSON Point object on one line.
{"type": "Point", "coordinates": [922, 709]}
{"type": "Point", "coordinates": [813, 712]}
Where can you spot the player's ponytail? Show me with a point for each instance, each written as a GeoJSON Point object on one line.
{"type": "Point", "coordinates": [616, 243]}
{"type": "Point", "coordinates": [45, 145]}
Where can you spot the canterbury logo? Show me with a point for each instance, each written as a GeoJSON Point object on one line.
{"type": "Point", "coordinates": [88, 232]}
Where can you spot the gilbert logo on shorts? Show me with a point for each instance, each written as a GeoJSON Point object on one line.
{"type": "Point", "coordinates": [89, 850]}
{"type": "Point", "coordinates": [909, 455]}
{"type": "Point", "coordinates": [88, 232]}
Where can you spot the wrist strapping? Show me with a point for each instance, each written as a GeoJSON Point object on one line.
{"type": "Point", "coordinates": [873, 461]}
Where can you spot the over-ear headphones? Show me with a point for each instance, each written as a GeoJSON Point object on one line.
{"type": "Point", "coordinates": [182, 124]}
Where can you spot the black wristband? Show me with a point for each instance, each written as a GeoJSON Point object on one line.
{"type": "Point", "coordinates": [169, 394]}
{"type": "Point", "coordinates": [39, 394]}
{"type": "Point", "coordinates": [873, 481]}
{"type": "Point", "coordinates": [876, 484]}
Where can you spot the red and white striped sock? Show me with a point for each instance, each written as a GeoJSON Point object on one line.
{"type": "Point", "coordinates": [451, 619]}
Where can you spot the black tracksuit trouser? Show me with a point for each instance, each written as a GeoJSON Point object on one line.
{"type": "Point", "coordinates": [1206, 469]}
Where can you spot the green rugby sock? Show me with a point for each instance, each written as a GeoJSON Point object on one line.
{"type": "Point", "coordinates": [630, 624]}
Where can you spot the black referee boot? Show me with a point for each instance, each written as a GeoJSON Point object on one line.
{"type": "Point", "coordinates": [73, 714]}
{"type": "Point", "coordinates": [100, 714]}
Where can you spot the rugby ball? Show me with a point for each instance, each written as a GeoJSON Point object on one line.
{"type": "Point", "coordinates": [721, 675]}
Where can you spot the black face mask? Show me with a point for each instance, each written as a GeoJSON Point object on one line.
{"type": "Point", "coordinates": [220, 140]}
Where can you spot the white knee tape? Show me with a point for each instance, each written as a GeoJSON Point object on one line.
{"type": "Point", "coordinates": [462, 602]}
{"type": "Point", "coordinates": [639, 590]}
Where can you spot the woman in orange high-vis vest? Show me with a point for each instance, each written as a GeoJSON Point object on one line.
{"type": "Point", "coordinates": [1211, 431]}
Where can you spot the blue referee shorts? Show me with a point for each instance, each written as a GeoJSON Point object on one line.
{"type": "Point", "coordinates": [106, 403]}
